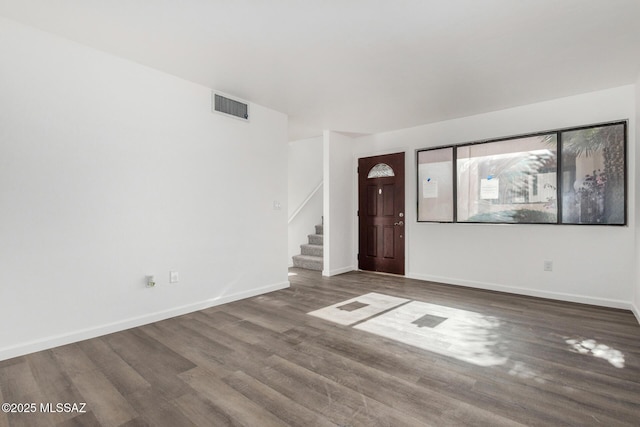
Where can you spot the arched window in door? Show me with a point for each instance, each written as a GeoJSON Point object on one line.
{"type": "Point", "coordinates": [381, 170]}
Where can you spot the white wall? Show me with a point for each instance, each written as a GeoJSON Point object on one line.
{"type": "Point", "coordinates": [110, 171]}
{"type": "Point", "coordinates": [339, 205]}
{"type": "Point", "coordinates": [591, 264]}
{"type": "Point", "coordinates": [305, 174]}
{"type": "Point", "coordinates": [636, 304]}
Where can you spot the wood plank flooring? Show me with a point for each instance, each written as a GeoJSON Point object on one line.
{"type": "Point", "coordinates": [264, 362]}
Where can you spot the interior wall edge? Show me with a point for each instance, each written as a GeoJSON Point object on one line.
{"type": "Point", "coordinates": [25, 348]}
{"type": "Point", "coordinates": [636, 312]}
{"type": "Point", "coordinates": [337, 271]}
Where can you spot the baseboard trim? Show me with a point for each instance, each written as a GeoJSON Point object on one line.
{"type": "Point", "coordinates": [84, 334]}
{"type": "Point", "coordinates": [604, 302]}
{"type": "Point", "coordinates": [335, 272]}
{"type": "Point", "coordinates": [636, 312]}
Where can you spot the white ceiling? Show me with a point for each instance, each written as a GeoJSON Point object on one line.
{"type": "Point", "coordinates": [364, 66]}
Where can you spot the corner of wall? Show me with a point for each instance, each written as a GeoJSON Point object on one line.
{"type": "Point", "coordinates": [636, 311]}
{"type": "Point", "coordinates": [326, 202]}
{"type": "Point", "coordinates": [634, 171]}
{"type": "Point", "coordinates": [338, 203]}
{"type": "Point", "coordinates": [329, 273]}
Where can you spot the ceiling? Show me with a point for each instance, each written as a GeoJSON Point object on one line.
{"type": "Point", "coordinates": [363, 66]}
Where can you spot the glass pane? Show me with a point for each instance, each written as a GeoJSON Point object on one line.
{"type": "Point", "coordinates": [593, 175]}
{"type": "Point", "coordinates": [380, 171]}
{"type": "Point", "coordinates": [512, 181]}
{"type": "Point", "coordinates": [435, 185]}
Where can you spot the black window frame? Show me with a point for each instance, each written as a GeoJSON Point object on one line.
{"type": "Point", "coordinates": [559, 180]}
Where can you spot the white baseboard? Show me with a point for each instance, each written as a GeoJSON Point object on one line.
{"type": "Point", "coordinates": [605, 302]}
{"type": "Point", "coordinates": [636, 312]}
{"type": "Point", "coordinates": [335, 272]}
{"type": "Point", "coordinates": [84, 334]}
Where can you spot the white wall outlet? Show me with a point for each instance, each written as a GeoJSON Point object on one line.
{"type": "Point", "coordinates": [174, 277]}
{"type": "Point", "coordinates": [276, 205]}
{"type": "Point", "coordinates": [151, 281]}
{"type": "Point", "coordinates": [548, 266]}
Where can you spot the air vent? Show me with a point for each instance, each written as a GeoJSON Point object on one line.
{"type": "Point", "coordinates": [225, 105]}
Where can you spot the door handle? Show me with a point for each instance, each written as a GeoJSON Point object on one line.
{"type": "Point", "coordinates": [398, 223]}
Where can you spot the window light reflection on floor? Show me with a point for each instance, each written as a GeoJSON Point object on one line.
{"type": "Point", "coordinates": [461, 334]}
{"type": "Point", "coordinates": [521, 370]}
{"type": "Point", "coordinates": [464, 335]}
{"type": "Point", "coordinates": [595, 349]}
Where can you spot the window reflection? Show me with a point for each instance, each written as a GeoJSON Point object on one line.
{"type": "Point", "coordinates": [508, 181]}
{"type": "Point", "coordinates": [593, 170]}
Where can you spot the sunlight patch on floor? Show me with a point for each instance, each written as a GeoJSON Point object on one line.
{"type": "Point", "coordinates": [356, 309]}
{"type": "Point", "coordinates": [461, 334]}
{"type": "Point", "coordinates": [521, 370]}
{"type": "Point", "coordinates": [595, 349]}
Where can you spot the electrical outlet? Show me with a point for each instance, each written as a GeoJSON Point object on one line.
{"type": "Point", "coordinates": [548, 266]}
{"type": "Point", "coordinates": [174, 277]}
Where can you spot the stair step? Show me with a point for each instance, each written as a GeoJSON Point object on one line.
{"type": "Point", "coordinates": [319, 229]}
{"type": "Point", "coordinates": [313, 250]}
{"type": "Point", "coordinates": [307, 261]}
{"type": "Point", "coordinates": [315, 239]}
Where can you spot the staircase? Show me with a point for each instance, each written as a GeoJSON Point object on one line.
{"type": "Point", "coordinates": [311, 256]}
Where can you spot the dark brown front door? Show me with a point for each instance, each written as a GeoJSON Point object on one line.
{"type": "Point", "coordinates": [381, 213]}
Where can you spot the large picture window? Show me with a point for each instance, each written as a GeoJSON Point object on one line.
{"type": "Point", "coordinates": [571, 176]}
{"type": "Point", "coordinates": [508, 181]}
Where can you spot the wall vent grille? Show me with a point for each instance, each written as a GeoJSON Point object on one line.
{"type": "Point", "coordinates": [225, 105]}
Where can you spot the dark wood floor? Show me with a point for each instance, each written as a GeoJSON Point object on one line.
{"type": "Point", "coordinates": [263, 361]}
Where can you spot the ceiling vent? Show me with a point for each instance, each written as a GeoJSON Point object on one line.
{"type": "Point", "coordinates": [232, 107]}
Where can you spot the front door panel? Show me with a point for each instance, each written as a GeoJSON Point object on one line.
{"type": "Point", "coordinates": [381, 213]}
